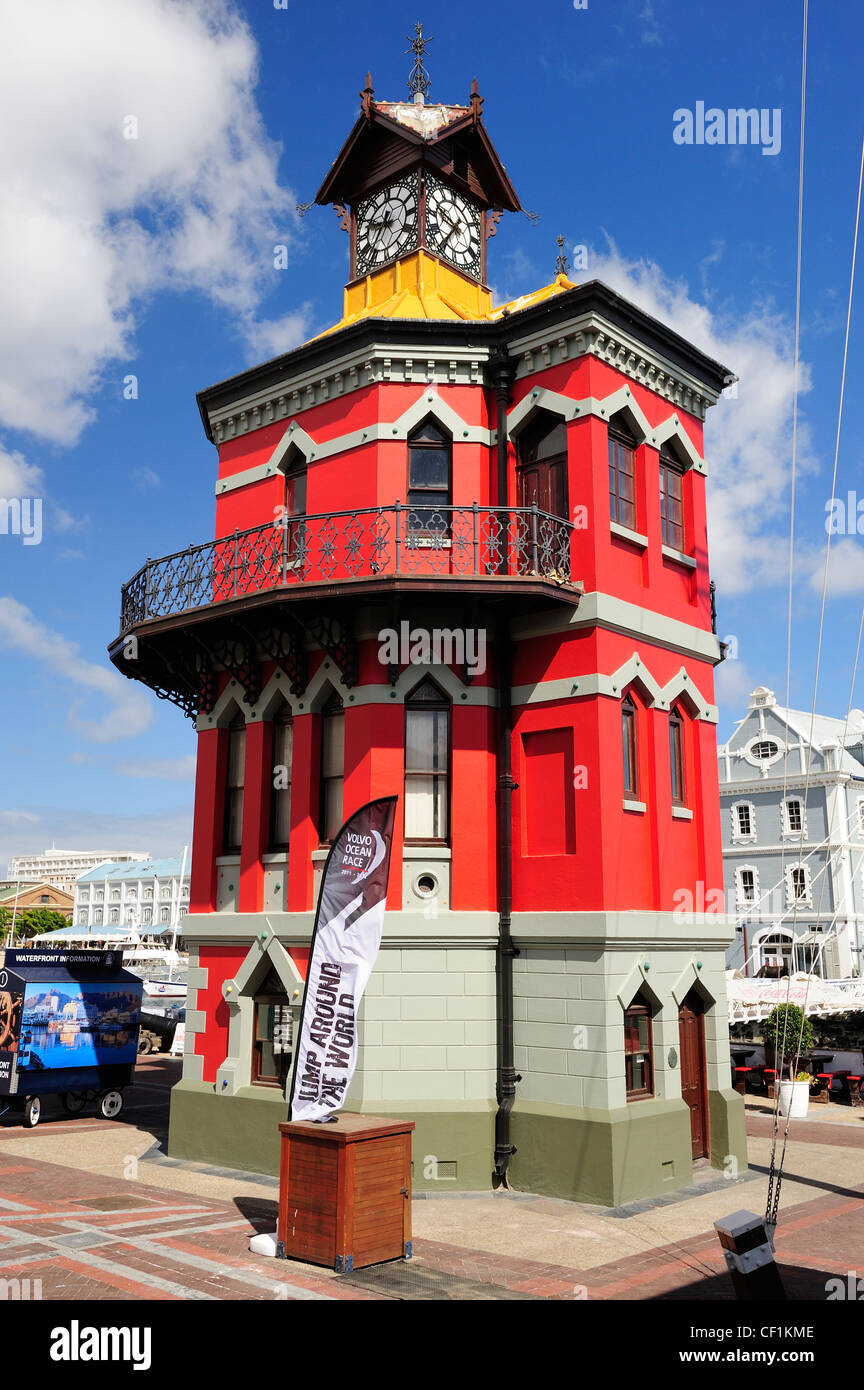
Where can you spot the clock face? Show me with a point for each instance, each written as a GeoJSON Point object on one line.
{"type": "Point", "coordinates": [386, 225]}
{"type": "Point", "coordinates": [453, 227]}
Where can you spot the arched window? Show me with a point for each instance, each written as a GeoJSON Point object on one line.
{"type": "Point", "coordinates": [280, 792]}
{"type": "Point", "coordinates": [332, 769]}
{"type": "Point", "coordinates": [429, 494]}
{"type": "Point", "coordinates": [629, 746]}
{"type": "Point", "coordinates": [427, 762]}
{"type": "Point", "coordinates": [294, 503]}
{"type": "Point", "coordinates": [676, 756]}
{"type": "Point", "coordinates": [272, 1039]}
{"type": "Point", "coordinates": [233, 821]}
{"type": "Point", "coordinates": [541, 472]}
{"type": "Point", "coordinates": [622, 473]}
{"type": "Point", "coordinates": [638, 1050]}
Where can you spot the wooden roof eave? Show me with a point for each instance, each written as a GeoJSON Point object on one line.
{"type": "Point", "coordinates": [330, 190]}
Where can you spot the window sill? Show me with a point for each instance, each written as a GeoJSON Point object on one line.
{"type": "Point", "coordinates": [678, 557]}
{"type": "Point", "coordinates": [682, 813]}
{"type": "Point", "coordinates": [631, 805]}
{"type": "Point", "coordinates": [743, 839]}
{"type": "Point", "coordinates": [275, 856]}
{"type": "Point", "coordinates": [415, 849]}
{"type": "Point", "coordinates": [231, 860]}
{"type": "Point", "coordinates": [625, 534]}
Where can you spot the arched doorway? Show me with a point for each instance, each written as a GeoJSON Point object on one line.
{"type": "Point", "coordinates": [694, 1091]}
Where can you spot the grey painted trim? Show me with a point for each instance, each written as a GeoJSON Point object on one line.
{"type": "Point", "coordinates": [682, 813]}
{"type": "Point", "coordinates": [617, 930]}
{"type": "Point", "coordinates": [597, 609]}
{"type": "Point", "coordinates": [633, 671]}
{"type": "Point", "coordinates": [348, 372]}
{"type": "Point", "coordinates": [590, 333]}
{"type": "Point", "coordinates": [626, 534]}
{"type": "Point", "coordinates": [295, 928]}
{"type": "Point", "coordinates": [678, 556]}
{"type": "Point", "coordinates": [427, 403]}
{"type": "Point", "coordinates": [630, 805]}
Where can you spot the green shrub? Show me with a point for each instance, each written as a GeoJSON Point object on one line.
{"type": "Point", "coordinates": [787, 1021]}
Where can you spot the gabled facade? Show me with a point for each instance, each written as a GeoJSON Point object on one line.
{"type": "Point", "coordinates": [461, 555]}
{"type": "Point", "coordinates": [792, 800]}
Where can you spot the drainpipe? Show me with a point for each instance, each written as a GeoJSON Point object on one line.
{"type": "Point", "coordinates": [502, 369]}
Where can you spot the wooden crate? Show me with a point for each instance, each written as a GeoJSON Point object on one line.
{"type": "Point", "coordinates": [345, 1191]}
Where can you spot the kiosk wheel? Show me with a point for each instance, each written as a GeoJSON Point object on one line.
{"type": "Point", "coordinates": [32, 1111]}
{"type": "Point", "coordinates": [110, 1104]}
{"type": "Point", "coordinates": [73, 1102]}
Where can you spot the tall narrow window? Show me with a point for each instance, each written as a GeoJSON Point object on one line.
{"type": "Point", "coordinates": [628, 740]}
{"type": "Point", "coordinates": [280, 793]}
{"type": "Point", "coordinates": [800, 886]}
{"type": "Point", "coordinates": [794, 816]}
{"type": "Point", "coordinates": [332, 768]}
{"type": "Point", "coordinates": [746, 887]}
{"type": "Point", "coordinates": [427, 756]}
{"type": "Point", "coordinates": [428, 481]}
{"type": "Point", "coordinates": [622, 479]}
{"type": "Point", "coordinates": [541, 473]}
{"type": "Point", "coordinates": [272, 1039]}
{"type": "Point", "coordinates": [676, 756]}
{"type": "Point", "coordinates": [671, 502]}
{"type": "Point", "coordinates": [233, 828]}
{"type": "Point", "coordinates": [638, 1061]}
{"type": "Point", "coordinates": [294, 517]}
{"type": "Point", "coordinates": [743, 826]}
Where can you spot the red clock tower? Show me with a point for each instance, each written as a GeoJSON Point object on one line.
{"type": "Point", "coordinates": [460, 555]}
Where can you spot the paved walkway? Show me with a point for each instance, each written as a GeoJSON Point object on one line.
{"type": "Point", "coordinates": [91, 1210]}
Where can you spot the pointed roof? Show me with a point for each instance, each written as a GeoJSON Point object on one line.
{"type": "Point", "coordinates": [417, 126]}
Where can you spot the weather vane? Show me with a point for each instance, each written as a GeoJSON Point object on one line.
{"type": "Point", "coordinates": [562, 265]}
{"type": "Point", "coordinates": [419, 82]}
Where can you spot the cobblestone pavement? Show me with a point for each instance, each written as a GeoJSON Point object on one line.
{"type": "Point", "coordinates": [139, 1232]}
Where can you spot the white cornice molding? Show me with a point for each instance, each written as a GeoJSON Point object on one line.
{"type": "Point", "coordinates": [584, 335]}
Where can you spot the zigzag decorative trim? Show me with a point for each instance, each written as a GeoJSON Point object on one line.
{"type": "Point", "coordinates": [430, 403]}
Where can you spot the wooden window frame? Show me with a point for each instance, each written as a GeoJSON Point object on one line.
{"type": "Point", "coordinates": [256, 1079]}
{"type": "Point", "coordinates": [638, 1009]}
{"type": "Point", "coordinates": [294, 521]}
{"type": "Point", "coordinates": [237, 725]}
{"type": "Point", "coordinates": [416, 503]}
{"type": "Point", "coordinates": [677, 767]}
{"type": "Point", "coordinates": [284, 717]}
{"type": "Point", "coordinates": [442, 705]}
{"type": "Point", "coordinates": [619, 441]}
{"type": "Point", "coordinates": [630, 742]}
{"type": "Point", "coordinates": [673, 534]}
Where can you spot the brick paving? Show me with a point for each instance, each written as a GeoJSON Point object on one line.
{"type": "Point", "coordinates": [87, 1237]}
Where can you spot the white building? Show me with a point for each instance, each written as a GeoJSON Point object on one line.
{"type": "Point", "coordinates": [792, 803]}
{"type": "Point", "coordinates": [147, 895]}
{"type": "Point", "coordinates": [62, 867]}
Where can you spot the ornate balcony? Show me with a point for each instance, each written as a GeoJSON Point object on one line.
{"type": "Point", "coordinates": [214, 606]}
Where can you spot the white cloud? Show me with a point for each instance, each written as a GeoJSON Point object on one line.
{"type": "Point", "coordinates": [162, 832]}
{"type": "Point", "coordinates": [19, 818]}
{"type": "Point", "coordinates": [126, 705]}
{"type": "Point", "coordinates": [748, 438]}
{"type": "Point", "coordinates": [91, 222]}
{"type": "Point", "coordinates": [161, 769]}
{"type": "Point", "coordinates": [845, 568]}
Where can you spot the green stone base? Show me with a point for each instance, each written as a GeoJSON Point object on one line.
{"type": "Point", "coordinates": [610, 1157]}
{"type": "Point", "coordinates": [452, 1146]}
{"type": "Point", "coordinates": [603, 1157]}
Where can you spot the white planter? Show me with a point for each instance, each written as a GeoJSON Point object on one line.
{"type": "Point", "coordinates": [794, 1099]}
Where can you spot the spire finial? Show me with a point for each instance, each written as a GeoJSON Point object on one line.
{"type": "Point", "coordinates": [419, 82]}
{"type": "Point", "coordinates": [366, 96]}
{"type": "Point", "coordinates": [562, 265]}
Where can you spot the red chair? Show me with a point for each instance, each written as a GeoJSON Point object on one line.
{"type": "Point", "coordinates": [823, 1095]}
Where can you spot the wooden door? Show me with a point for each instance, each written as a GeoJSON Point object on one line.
{"type": "Point", "coordinates": [543, 485]}
{"type": "Point", "coordinates": [691, 1032]}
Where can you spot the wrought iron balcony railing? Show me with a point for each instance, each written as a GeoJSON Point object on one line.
{"type": "Point", "coordinates": [367, 543]}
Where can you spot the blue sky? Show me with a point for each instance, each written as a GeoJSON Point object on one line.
{"type": "Point", "coordinates": [154, 257]}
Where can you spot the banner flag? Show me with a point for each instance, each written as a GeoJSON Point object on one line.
{"type": "Point", "coordinates": [348, 924]}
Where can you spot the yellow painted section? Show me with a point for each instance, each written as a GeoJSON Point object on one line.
{"type": "Point", "coordinates": [420, 286]}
